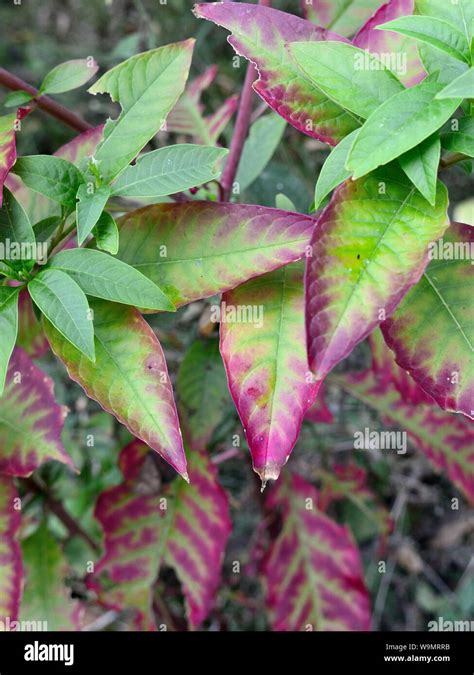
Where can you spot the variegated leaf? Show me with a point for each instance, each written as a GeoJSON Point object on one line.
{"type": "Point", "coordinates": [432, 330]}
{"type": "Point", "coordinates": [129, 377]}
{"type": "Point", "coordinates": [31, 422]}
{"type": "Point", "coordinates": [197, 249]}
{"type": "Point", "coordinates": [313, 571]}
{"type": "Point", "coordinates": [369, 249]}
{"type": "Point", "coordinates": [11, 569]}
{"type": "Point", "coordinates": [402, 50]}
{"type": "Point", "coordinates": [447, 440]}
{"type": "Point", "coordinates": [31, 335]}
{"type": "Point", "coordinates": [342, 16]}
{"type": "Point", "coordinates": [261, 34]}
{"type": "Point", "coordinates": [186, 527]}
{"type": "Point", "coordinates": [263, 348]}
{"type": "Point", "coordinates": [8, 127]}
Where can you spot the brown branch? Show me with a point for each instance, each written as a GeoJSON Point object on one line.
{"type": "Point", "coordinates": [44, 102]}
{"type": "Point", "coordinates": [37, 486]}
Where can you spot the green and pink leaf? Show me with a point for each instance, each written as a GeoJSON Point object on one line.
{"type": "Point", "coordinates": [11, 568]}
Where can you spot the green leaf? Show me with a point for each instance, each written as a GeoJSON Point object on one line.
{"type": "Point", "coordinates": [459, 13]}
{"type": "Point", "coordinates": [435, 32]}
{"type": "Point", "coordinates": [461, 140]}
{"type": "Point", "coordinates": [91, 203]}
{"type": "Point", "coordinates": [147, 87]}
{"type": "Point", "coordinates": [435, 61]}
{"type": "Point", "coordinates": [398, 125]}
{"type": "Point", "coordinates": [284, 203]}
{"type": "Point", "coordinates": [334, 171]}
{"type": "Point", "coordinates": [8, 328]}
{"type": "Point", "coordinates": [63, 302]}
{"type": "Point", "coordinates": [53, 177]}
{"type": "Point", "coordinates": [129, 377]}
{"type": "Point", "coordinates": [169, 170]}
{"type": "Point", "coordinates": [102, 276]}
{"type": "Point", "coordinates": [263, 139]}
{"type": "Point", "coordinates": [343, 17]}
{"type": "Point", "coordinates": [421, 166]}
{"type": "Point", "coordinates": [461, 87]}
{"type": "Point", "coordinates": [68, 75]}
{"type": "Point", "coordinates": [202, 392]}
{"type": "Point", "coordinates": [17, 98]}
{"type": "Point", "coordinates": [106, 234]}
{"type": "Point", "coordinates": [46, 597]}
{"type": "Point", "coordinates": [350, 76]}
{"type": "Point", "coordinates": [14, 223]}
{"type": "Point", "coordinates": [43, 229]}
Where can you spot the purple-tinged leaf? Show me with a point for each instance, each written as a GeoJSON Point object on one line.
{"type": "Point", "coordinates": [8, 127]}
{"type": "Point", "coordinates": [261, 34]}
{"type": "Point", "coordinates": [263, 348]}
{"type": "Point", "coordinates": [129, 377]}
{"type": "Point", "coordinates": [385, 366]}
{"type": "Point", "coordinates": [340, 15]}
{"type": "Point", "coordinates": [369, 247]}
{"type": "Point", "coordinates": [402, 50]}
{"type": "Point", "coordinates": [31, 422]}
{"type": "Point", "coordinates": [196, 249]}
{"type": "Point", "coordinates": [47, 600]}
{"type": "Point", "coordinates": [447, 440]}
{"type": "Point", "coordinates": [313, 571]}
{"type": "Point", "coordinates": [185, 527]}
{"type": "Point", "coordinates": [11, 569]}
{"type": "Point", "coordinates": [319, 411]}
{"type": "Point", "coordinates": [31, 335]}
{"type": "Point", "coordinates": [432, 330]}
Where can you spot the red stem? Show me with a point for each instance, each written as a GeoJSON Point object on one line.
{"type": "Point", "coordinates": [44, 102]}
{"type": "Point", "coordinates": [242, 124]}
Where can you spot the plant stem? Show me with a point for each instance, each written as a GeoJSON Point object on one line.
{"type": "Point", "coordinates": [453, 159]}
{"type": "Point", "coordinates": [242, 124]}
{"type": "Point", "coordinates": [39, 487]}
{"type": "Point", "coordinates": [47, 104]}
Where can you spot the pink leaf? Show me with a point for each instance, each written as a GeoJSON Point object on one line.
{"type": "Point", "coordinates": [11, 570]}
{"type": "Point", "coordinates": [31, 335]}
{"type": "Point", "coordinates": [8, 127]}
{"type": "Point", "coordinates": [266, 363]}
{"type": "Point", "coordinates": [319, 411]}
{"type": "Point", "coordinates": [31, 422]}
{"type": "Point", "coordinates": [313, 570]}
{"type": "Point", "coordinates": [261, 34]}
{"type": "Point", "coordinates": [410, 70]}
{"type": "Point", "coordinates": [185, 527]}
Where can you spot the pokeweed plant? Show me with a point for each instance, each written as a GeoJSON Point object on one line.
{"type": "Point", "coordinates": [105, 231]}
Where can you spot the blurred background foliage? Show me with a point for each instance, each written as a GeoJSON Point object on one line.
{"type": "Point", "coordinates": [428, 555]}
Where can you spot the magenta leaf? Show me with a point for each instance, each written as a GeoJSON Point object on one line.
{"type": "Point", "coordinates": [446, 440]}
{"type": "Point", "coordinates": [197, 249]}
{"type": "Point", "coordinates": [313, 571]}
{"type": "Point", "coordinates": [11, 570]}
{"type": "Point", "coordinates": [369, 247]}
{"type": "Point", "coordinates": [402, 50]}
{"type": "Point", "coordinates": [263, 348]}
{"type": "Point", "coordinates": [261, 34]}
{"type": "Point", "coordinates": [31, 422]}
{"type": "Point", "coordinates": [432, 330]}
{"type": "Point", "coordinates": [8, 128]}
{"type": "Point", "coordinates": [319, 411]}
{"type": "Point", "coordinates": [184, 527]}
